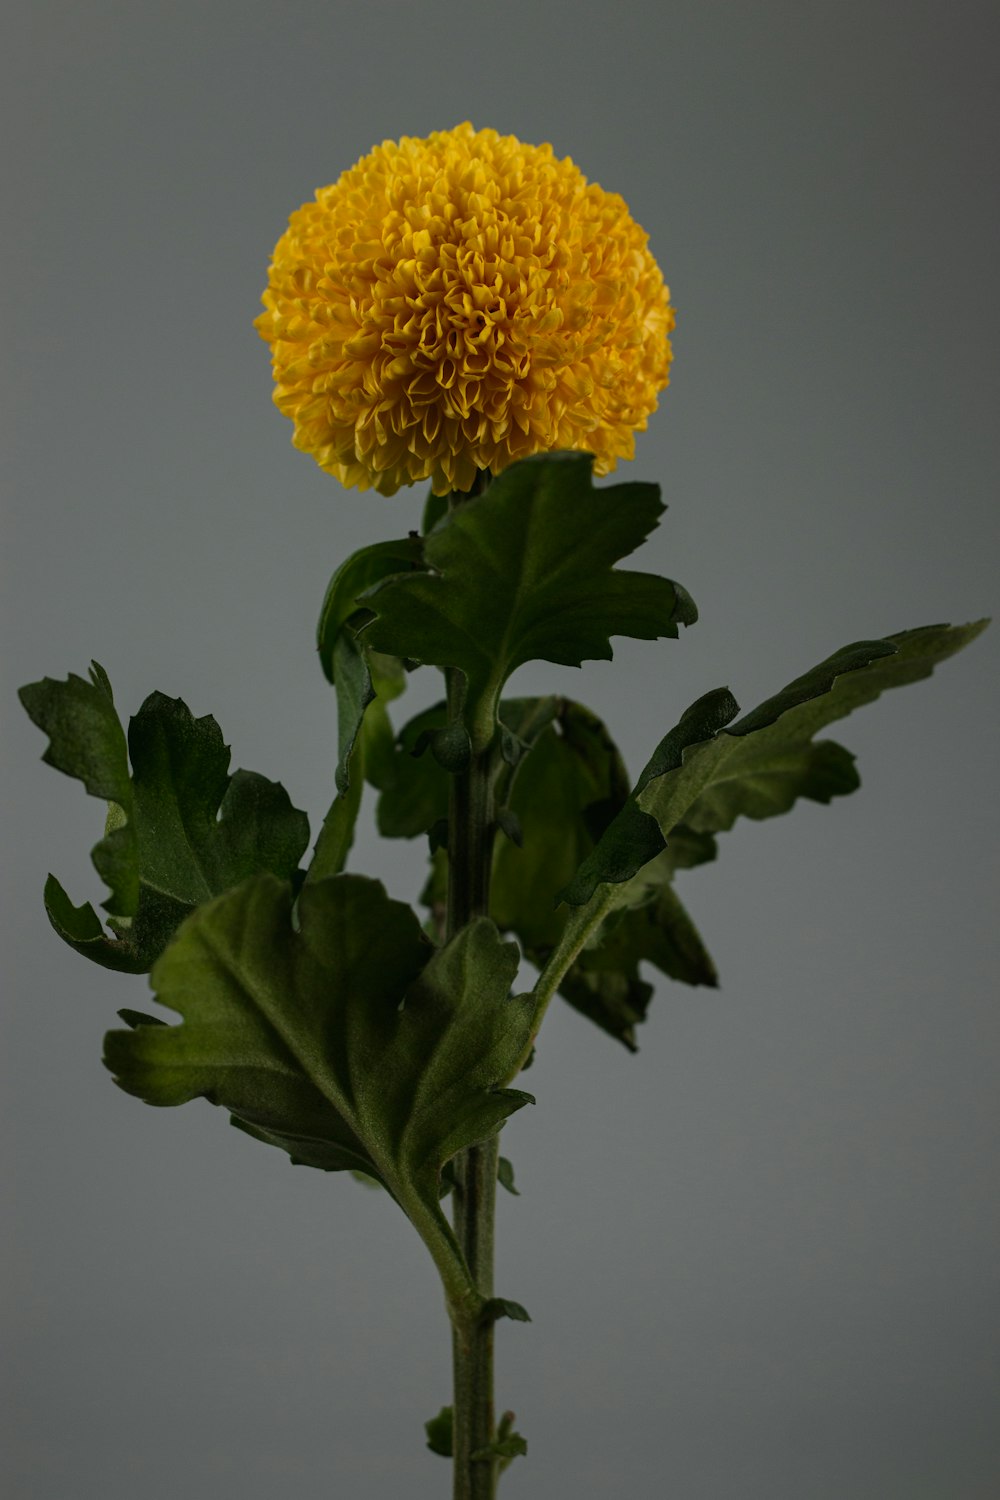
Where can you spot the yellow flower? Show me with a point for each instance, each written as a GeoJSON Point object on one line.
{"type": "Point", "coordinates": [456, 303]}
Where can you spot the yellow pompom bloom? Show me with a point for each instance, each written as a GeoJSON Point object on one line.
{"type": "Point", "coordinates": [456, 303]}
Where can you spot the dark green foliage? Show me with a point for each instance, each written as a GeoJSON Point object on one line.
{"type": "Point", "coordinates": [314, 1009]}
{"type": "Point", "coordinates": [525, 571]}
{"type": "Point", "coordinates": [634, 837]}
{"type": "Point", "coordinates": [502, 1307]}
{"type": "Point", "coordinates": [364, 681]}
{"type": "Point", "coordinates": [180, 828]}
{"type": "Point", "coordinates": [564, 793]}
{"type": "Point", "coordinates": [505, 1175]}
{"type": "Point", "coordinates": [704, 774]}
{"type": "Point", "coordinates": [581, 829]}
{"type": "Point", "coordinates": [360, 572]}
{"type": "Point", "coordinates": [567, 783]}
{"type": "Point", "coordinates": [506, 1446]}
{"type": "Point", "coordinates": [605, 983]}
{"type": "Point", "coordinates": [414, 793]}
{"type": "Point", "coordinates": [440, 1431]}
{"type": "Point", "coordinates": [355, 690]}
{"type": "Point", "coordinates": [710, 771]}
{"type": "Point", "coordinates": [615, 1000]}
{"type": "Point", "coordinates": [348, 1040]}
{"type": "Point", "coordinates": [366, 748]}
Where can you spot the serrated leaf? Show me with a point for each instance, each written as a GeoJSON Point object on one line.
{"type": "Point", "coordinates": [615, 1001]}
{"type": "Point", "coordinates": [87, 741]}
{"type": "Point", "coordinates": [523, 572]}
{"type": "Point", "coordinates": [634, 837]}
{"type": "Point", "coordinates": [658, 931]}
{"type": "Point", "coordinates": [440, 1432]}
{"type": "Point", "coordinates": [180, 828]}
{"type": "Point", "coordinates": [709, 771]}
{"type": "Point", "coordinates": [565, 788]}
{"type": "Point", "coordinates": [761, 764]}
{"type": "Point", "coordinates": [348, 1040]}
{"type": "Point", "coordinates": [605, 984]}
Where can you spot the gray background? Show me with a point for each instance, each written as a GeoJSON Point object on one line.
{"type": "Point", "coordinates": [762, 1255]}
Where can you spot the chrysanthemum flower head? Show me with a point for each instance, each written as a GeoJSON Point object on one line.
{"type": "Point", "coordinates": [456, 303]}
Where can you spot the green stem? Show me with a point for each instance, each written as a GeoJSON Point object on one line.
{"type": "Point", "coordinates": [582, 923]}
{"type": "Point", "coordinates": [470, 856]}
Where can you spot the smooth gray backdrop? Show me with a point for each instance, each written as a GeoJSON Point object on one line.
{"type": "Point", "coordinates": [762, 1256]}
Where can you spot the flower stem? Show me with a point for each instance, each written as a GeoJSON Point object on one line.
{"type": "Point", "coordinates": [470, 854]}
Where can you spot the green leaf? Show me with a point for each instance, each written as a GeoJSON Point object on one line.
{"type": "Point", "coordinates": [87, 741]}
{"type": "Point", "coordinates": [503, 1307]}
{"type": "Point", "coordinates": [415, 795]}
{"type": "Point", "coordinates": [336, 836]}
{"type": "Point", "coordinates": [355, 691]}
{"type": "Point", "coordinates": [704, 774]}
{"type": "Point", "coordinates": [136, 1018]}
{"type": "Point", "coordinates": [659, 931]}
{"type": "Point", "coordinates": [440, 1431]}
{"type": "Point", "coordinates": [525, 572]}
{"type": "Point", "coordinates": [360, 572]}
{"type": "Point", "coordinates": [634, 837]}
{"type": "Point", "coordinates": [365, 683]}
{"type": "Point", "coordinates": [709, 771]}
{"type": "Point", "coordinates": [605, 984]}
{"type": "Point", "coordinates": [506, 1446]}
{"type": "Point", "coordinates": [505, 1176]}
{"type": "Point", "coordinates": [510, 825]}
{"type": "Point", "coordinates": [359, 676]}
{"type": "Point", "coordinates": [568, 782]}
{"type": "Point", "coordinates": [180, 828]}
{"type": "Point", "coordinates": [563, 794]}
{"type": "Point", "coordinates": [363, 678]}
{"type": "Point", "coordinates": [347, 1040]}
{"type": "Point", "coordinates": [615, 1001]}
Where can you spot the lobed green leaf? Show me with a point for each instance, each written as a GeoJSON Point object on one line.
{"type": "Point", "coordinates": [180, 829]}
{"type": "Point", "coordinates": [562, 788]}
{"type": "Point", "coordinates": [764, 762]}
{"type": "Point", "coordinates": [346, 1038]}
{"type": "Point", "coordinates": [525, 572]}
